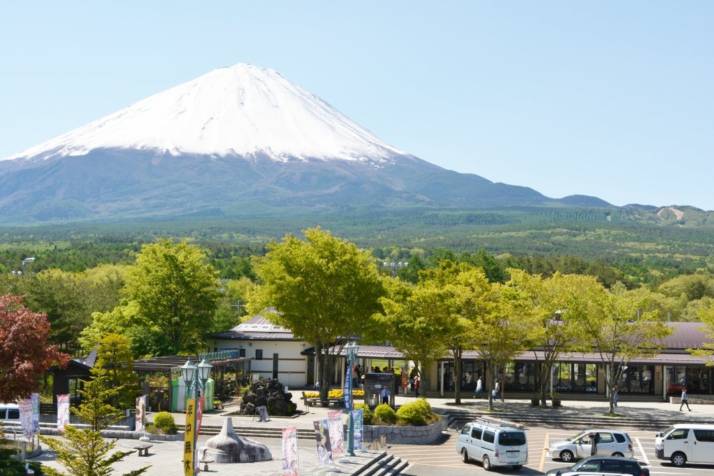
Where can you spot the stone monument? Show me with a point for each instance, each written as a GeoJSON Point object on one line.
{"type": "Point", "coordinates": [228, 447]}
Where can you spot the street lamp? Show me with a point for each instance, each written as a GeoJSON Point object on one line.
{"type": "Point", "coordinates": [193, 376]}
{"type": "Point", "coordinates": [351, 350]}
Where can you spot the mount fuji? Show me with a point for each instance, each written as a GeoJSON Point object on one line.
{"type": "Point", "coordinates": [236, 140]}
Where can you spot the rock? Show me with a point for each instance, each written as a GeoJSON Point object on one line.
{"type": "Point", "coordinates": [270, 393]}
{"type": "Point", "coordinates": [228, 447]}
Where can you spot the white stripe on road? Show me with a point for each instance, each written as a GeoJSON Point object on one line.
{"type": "Point", "coordinates": [545, 452]}
{"type": "Point", "coordinates": [642, 450]}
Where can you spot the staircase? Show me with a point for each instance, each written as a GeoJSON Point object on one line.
{"type": "Point", "coordinates": [551, 418]}
{"type": "Point", "coordinates": [258, 432]}
{"type": "Point", "coordinates": [383, 465]}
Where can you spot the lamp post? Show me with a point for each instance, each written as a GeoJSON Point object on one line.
{"type": "Point", "coordinates": [193, 376]}
{"type": "Point", "coordinates": [351, 351]}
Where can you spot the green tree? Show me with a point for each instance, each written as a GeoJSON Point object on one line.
{"type": "Point", "coordinates": [706, 316]}
{"type": "Point", "coordinates": [115, 364]}
{"type": "Point", "coordinates": [557, 310]}
{"type": "Point", "coordinates": [322, 288]}
{"type": "Point", "coordinates": [232, 304]}
{"type": "Point", "coordinates": [84, 452]}
{"type": "Point", "coordinates": [503, 327]}
{"type": "Point", "coordinates": [176, 293]}
{"type": "Point", "coordinates": [622, 326]}
{"type": "Point", "coordinates": [463, 287]}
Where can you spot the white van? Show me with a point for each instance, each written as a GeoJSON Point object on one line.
{"type": "Point", "coordinates": [686, 443]}
{"type": "Point", "coordinates": [9, 412]}
{"type": "Point", "coordinates": [493, 443]}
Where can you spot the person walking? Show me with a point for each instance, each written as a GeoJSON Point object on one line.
{"type": "Point", "coordinates": [684, 400]}
{"type": "Point", "coordinates": [593, 444]}
{"type": "Point", "coordinates": [479, 388]}
{"type": "Point", "coordinates": [615, 396]}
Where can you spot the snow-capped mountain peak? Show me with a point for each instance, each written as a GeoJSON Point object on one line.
{"type": "Point", "coordinates": [242, 110]}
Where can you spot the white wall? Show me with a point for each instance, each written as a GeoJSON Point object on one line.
{"type": "Point", "coordinates": [292, 366]}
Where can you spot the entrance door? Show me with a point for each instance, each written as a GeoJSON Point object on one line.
{"type": "Point", "coordinates": [276, 361]}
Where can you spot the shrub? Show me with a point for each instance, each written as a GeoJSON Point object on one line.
{"type": "Point", "coordinates": [366, 412]}
{"type": "Point", "coordinates": [385, 414]}
{"type": "Point", "coordinates": [416, 413]}
{"type": "Point", "coordinates": [164, 422]}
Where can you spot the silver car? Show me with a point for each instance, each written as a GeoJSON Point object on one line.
{"type": "Point", "coordinates": [607, 443]}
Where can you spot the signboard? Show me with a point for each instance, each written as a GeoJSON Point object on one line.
{"type": "Point", "coordinates": [347, 391]}
{"type": "Point", "coordinates": [140, 417]}
{"type": "Point", "coordinates": [322, 439]}
{"type": "Point", "coordinates": [188, 440]}
{"type": "Point", "coordinates": [357, 421]}
{"type": "Point", "coordinates": [290, 452]}
{"type": "Point", "coordinates": [35, 398]}
{"type": "Point", "coordinates": [26, 418]}
{"type": "Point", "coordinates": [376, 385]}
{"type": "Point", "coordinates": [62, 411]}
{"type": "Point", "coordinates": [337, 442]}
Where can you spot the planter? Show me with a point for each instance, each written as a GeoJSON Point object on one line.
{"type": "Point", "coordinates": [414, 435]}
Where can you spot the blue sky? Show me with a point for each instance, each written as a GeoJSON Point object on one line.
{"type": "Point", "coordinates": [606, 98]}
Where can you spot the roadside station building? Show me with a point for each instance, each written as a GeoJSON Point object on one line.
{"type": "Point", "coordinates": [276, 353]}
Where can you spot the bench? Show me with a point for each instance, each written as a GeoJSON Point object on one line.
{"type": "Point", "coordinates": [142, 448]}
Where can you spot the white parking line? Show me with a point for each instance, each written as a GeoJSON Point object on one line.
{"type": "Point", "coordinates": [642, 451]}
{"type": "Point", "coordinates": [545, 452]}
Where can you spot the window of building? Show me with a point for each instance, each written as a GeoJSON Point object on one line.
{"type": "Point", "coordinates": [241, 352]}
{"type": "Point", "coordinates": [258, 354]}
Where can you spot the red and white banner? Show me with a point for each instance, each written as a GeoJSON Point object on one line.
{"type": "Point", "coordinates": [62, 411]}
{"type": "Point", "coordinates": [337, 438]}
{"type": "Point", "coordinates": [140, 416]}
{"type": "Point", "coordinates": [290, 452]}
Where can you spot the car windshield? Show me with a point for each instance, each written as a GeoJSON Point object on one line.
{"type": "Point", "coordinates": [512, 438]}
{"type": "Point", "coordinates": [668, 431]}
{"type": "Point", "coordinates": [578, 436]}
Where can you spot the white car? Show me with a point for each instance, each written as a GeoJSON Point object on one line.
{"type": "Point", "coordinates": [608, 443]}
{"type": "Point", "coordinates": [493, 444]}
{"type": "Point", "coordinates": [686, 443]}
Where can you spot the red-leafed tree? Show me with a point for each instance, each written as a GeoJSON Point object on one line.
{"type": "Point", "coordinates": [24, 353]}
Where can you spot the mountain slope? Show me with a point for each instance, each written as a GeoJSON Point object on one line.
{"type": "Point", "coordinates": [235, 140]}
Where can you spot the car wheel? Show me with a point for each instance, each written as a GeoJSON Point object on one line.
{"type": "Point", "coordinates": [678, 459]}
{"type": "Point", "coordinates": [465, 455]}
{"type": "Point", "coordinates": [486, 463]}
{"type": "Point", "coordinates": [618, 455]}
{"type": "Point", "coordinates": [567, 456]}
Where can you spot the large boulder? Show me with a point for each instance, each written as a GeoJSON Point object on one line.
{"type": "Point", "coordinates": [269, 393]}
{"type": "Point", "coordinates": [228, 447]}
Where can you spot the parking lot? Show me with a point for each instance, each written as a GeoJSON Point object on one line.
{"type": "Point", "coordinates": [442, 459]}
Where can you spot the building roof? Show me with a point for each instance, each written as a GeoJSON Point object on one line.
{"type": "Point", "coordinates": [257, 327]}
{"type": "Point", "coordinates": [686, 335]}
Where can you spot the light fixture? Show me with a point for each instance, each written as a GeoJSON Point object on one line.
{"type": "Point", "coordinates": [188, 372]}
{"type": "Point", "coordinates": [204, 371]}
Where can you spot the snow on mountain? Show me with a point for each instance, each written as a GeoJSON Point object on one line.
{"type": "Point", "coordinates": [242, 110]}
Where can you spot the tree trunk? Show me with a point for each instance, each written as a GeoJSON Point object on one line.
{"type": "Point", "coordinates": [492, 386]}
{"type": "Point", "coordinates": [457, 376]}
{"type": "Point", "coordinates": [322, 374]}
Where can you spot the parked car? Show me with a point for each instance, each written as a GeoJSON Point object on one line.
{"type": "Point", "coordinates": [493, 444]}
{"type": "Point", "coordinates": [601, 465]}
{"type": "Point", "coordinates": [686, 443]}
{"type": "Point", "coordinates": [608, 443]}
{"type": "Point", "coordinates": [9, 412]}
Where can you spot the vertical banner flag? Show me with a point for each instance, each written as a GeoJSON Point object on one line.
{"type": "Point", "coordinates": [188, 438]}
{"type": "Point", "coordinates": [26, 418]}
{"type": "Point", "coordinates": [322, 438]}
{"type": "Point", "coordinates": [357, 417]}
{"type": "Point", "coordinates": [337, 442]}
{"type": "Point", "coordinates": [199, 414]}
{"type": "Point", "coordinates": [62, 411]}
{"type": "Point", "coordinates": [348, 389]}
{"type": "Point", "coordinates": [140, 417]}
{"type": "Point", "coordinates": [35, 397]}
{"type": "Point", "coordinates": [290, 452]}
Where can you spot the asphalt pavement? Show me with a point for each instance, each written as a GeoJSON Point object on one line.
{"type": "Point", "coordinates": [441, 458]}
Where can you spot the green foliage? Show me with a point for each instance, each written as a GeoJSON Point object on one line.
{"type": "Point", "coordinates": [176, 293]}
{"type": "Point", "coordinates": [86, 452]}
{"type": "Point", "coordinates": [384, 415]}
{"type": "Point", "coordinates": [164, 421]}
{"type": "Point", "coordinates": [11, 466]}
{"type": "Point", "coordinates": [115, 365]}
{"type": "Point", "coordinates": [417, 413]}
{"type": "Point", "coordinates": [321, 288]}
{"type": "Point", "coordinates": [367, 415]}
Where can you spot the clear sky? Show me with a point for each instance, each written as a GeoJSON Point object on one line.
{"type": "Point", "coordinates": [608, 98]}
